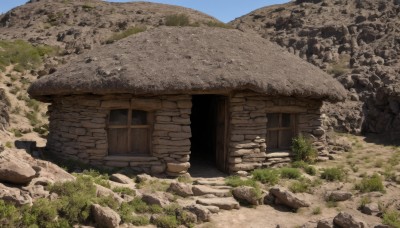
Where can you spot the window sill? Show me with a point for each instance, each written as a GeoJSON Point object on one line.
{"type": "Point", "coordinates": [131, 158]}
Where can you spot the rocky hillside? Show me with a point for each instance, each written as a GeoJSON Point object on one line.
{"type": "Point", "coordinates": [358, 42]}
{"type": "Point", "coordinates": [53, 32]}
{"type": "Point", "coordinates": [76, 26]}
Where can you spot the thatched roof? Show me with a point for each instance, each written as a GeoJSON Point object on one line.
{"type": "Point", "coordinates": [172, 60]}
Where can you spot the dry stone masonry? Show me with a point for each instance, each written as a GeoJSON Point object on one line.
{"type": "Point", "coordinates": [248, 148]}
{"type": "Point", "coordinates": [78, 129]}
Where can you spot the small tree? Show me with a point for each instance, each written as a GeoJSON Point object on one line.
{"type": "Point", "coordinates": [303, 149]}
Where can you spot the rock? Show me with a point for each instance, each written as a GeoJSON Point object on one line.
{"type": "Point", "coordinates": [14, 195]}
{"type": "Point", "coordinates": [242, 173]}
{"type": "Point", "coordinates": [37, 191]}
{"type": "Point", "coordinates": [345, 220]}
{"type": "Point", "coordinates": [1, 147]}
{"type": "Point", "coordinates": [370, 209]}
{"type": "Point", "coordinates": [181, 189]}
{"type": "Point", "coordinates": [200, 190]}
{"type": "Point", "coordinates": [143, 177]}
{"type": "Point", "coordinates": [120, 178]}
{"type": "Point", "coordinates": [158, 198]}
{"type": "Point", "coordinates": [211, 182]}
{"type": "Point", "coordinates": [15, 171]}
{"type": "Point", "coordinates": [103, 191]}
{"type": "Point", "coordinates": [226, 203]}
{"type": "Point", "coordinates": [340, 196]}
{"type": "Point", "coordinates": [325, 224]}
{"type": "Point", "coordinates": [188, 218]}
{"type": "Point", "coordinates": [287, 198]}
{"type": "Point", "coordinates": [105, 217]}
{"type": "Point", "coordinates": [212, 209]}
{"type": "Point", "coordinates": [202, 213]}
{"type": "Point", "coordinates": [178, 167]}
{"type": "Point", "coordinates": [382, 226]}
{"type": "Point", "coordinates": [247, 194]}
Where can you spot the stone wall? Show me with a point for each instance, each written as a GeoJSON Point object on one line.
{"type": "Point", "coordinates": [78, 129]}
{"type": "Point", "coordinates": [248, 148]}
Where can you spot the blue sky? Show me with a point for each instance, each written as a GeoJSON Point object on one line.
{"type": "Point", "coordinates": [224, 10]}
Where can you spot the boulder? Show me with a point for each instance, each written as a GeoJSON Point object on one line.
{"type": "Point", "coordinates": [37, 191]}
{"type": "Point", "coordinates": [212, 209]}
{"type": "Point", "coordinates": [120, 178]}
{"type": "Point", "coordinates": [15, 171]}
{"type": "Point", "coordinates": [370, 209]}
{"type": "Point", "coordinates": [339, 196]}
{"type": "Point", "coordinates": [345, 220]}
{"type": "Point", "coordinates": [178, 167]}
{"type": "Point", "coordinates": [181, 189]}
{"type": "Point", "coordinates": [226, 203]}
{"type": "Point", "coordinates": [14, 195]}
{"type": "Point", "coordinates": [143, 178]}
{"type": "Point", "coordinates": [158, 198]}
{"type": "Point", "coordinates": [105, 217]}
{"type": "Point", "coordinates": [202, 213]}
{"type": "Point", "coordinates": [287, 198]}
{"type": "Point", "coordinates": [199, 190]}
{"type": "Point", "coordinates": [247, 194]}
{"type": "Point", "coordinates": [325, 224]}
{"type": "Point", "coordinates": [103, 191]}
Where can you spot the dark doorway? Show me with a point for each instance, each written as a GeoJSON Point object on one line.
{"type": "Point", "coordinates": [208, 125]}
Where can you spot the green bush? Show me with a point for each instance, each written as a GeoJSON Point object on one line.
{"type": "Point", "coordinates": [299, 164]}
{"type": "Point", "coordinates": [97, 177]}
{"type": "Point", "coordinates": [126, 211]}
{"type": "Point", "coordinates": [32, 116]}
{"type": "Point", "coordinates": [333, 174]}
{"type": "Point", "coordinates": [303, 150]}
{"type": "Point", "coordinates": [76, 198]}
{"type": "Point", "coordinates": [124, 190]}
{"type": "Point", "coordinates": [23, 55]}
{"type": "Point", "coordinates": [124, 34]}
{"type": "Point", "coordinates": [236, 181]}
{"type": "Point", "coordinates": [177, 20]}
{"type": "Point", "coordinates": [166, 221]}
{"type": "Point", "coordinates": [9, 215]}
{"type": "Point", "coordinates": [310, 170]}
{"type": "Point", "coordinates": [290, 173]}
{"type": "Point", "coordinates": [266, 176]}
{"type": "Point", "coordinates": [371, 184]}
{"type": "Point", "coordinates": [391, 218]}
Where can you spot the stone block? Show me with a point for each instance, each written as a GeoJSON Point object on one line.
{"type": "Point", "coordinates": [178, 167]}
{"type": "Point", "coordinates": [115, 104]}
{"type": "Point", "coordinates": [146, 104]}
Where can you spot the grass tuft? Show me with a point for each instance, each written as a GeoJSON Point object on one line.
{"type": "Point", "coordinates": [371, 184]}
{"type": "Point", "coordinates": [124, 34]}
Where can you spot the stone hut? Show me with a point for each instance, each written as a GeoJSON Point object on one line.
{"type": "Point", "coordinates": [170, 97]}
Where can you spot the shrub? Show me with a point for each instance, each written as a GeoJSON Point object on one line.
{"type": "Point", "coordinates": [299, 164]}
{"type": "Point", "coordinates": [290, 173]}
{"type": "Point", "coordinates": [165, 221]}
{"type": "Point", "coordinates": [97, 177]}
{"type": "Point", "coordinates": [218, 24]}
{"type": "Point", "coordinates": [42, 213]}
{"type": "Point", "coordinates": [331, 204]}
{"type": "Point", "coordinates": [303, 150]}
{"type": "Point", "coordinates": [177, 20]}
{"type": "Point", "coordinates": [9, 215]}
{"type": "Point", "coordinates": [371, 184]}
{"type": "Point", "coordinates": [364, 201]}
{"type": "Point", "coordinates": [126, 211]}
{"type": "Point", "coordinates": [124, 34]}
{"type": "Point", "coordinates": [32, 117]}
{"type": "Point", "coordinates": [316, 211]}
{"type": "Point", "coordinates": [299, 186]}
{"type": "Point", "coordinates": [23, 55]}
{"type": "Point", "coordinates": [333, 174]}
{"type": "Point", "coordinates": [310, 170]}
{"type": "Point", "coordinates": [124, 190]}
{"type": "Point", "coordinates": [76, 198]}
{"type": "Point", "coordinates": [266, 176]}
{"type": "Point", "coordinates": [236, 181]}
{"type": "Point", "coordinates": [391, 218]}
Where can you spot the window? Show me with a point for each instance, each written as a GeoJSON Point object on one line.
{"type": "Point", "coordinates": [129, 132]}
{"type": "Point", "coordinates": [281, 128]}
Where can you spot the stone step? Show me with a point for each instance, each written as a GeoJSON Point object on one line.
{"type": "Point", "coordinates": [226, 203]}
{"type": "Point", "coordinates": [211, 182]}
{"type": "Point", "coordinates": [199, 190]}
